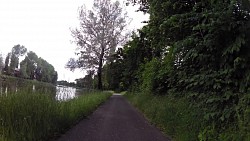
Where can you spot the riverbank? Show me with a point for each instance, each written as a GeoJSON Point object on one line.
{"type": "Point", "coordinates": [27, 116]}
{"type": "Point", "coordinates": [11, 79]}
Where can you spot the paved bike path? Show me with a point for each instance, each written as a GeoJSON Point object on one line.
{"type": "Point", "coordinates": [115, 120]}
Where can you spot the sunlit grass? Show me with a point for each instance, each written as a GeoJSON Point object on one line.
{"type": "Point", "coordinates": [32, 116]}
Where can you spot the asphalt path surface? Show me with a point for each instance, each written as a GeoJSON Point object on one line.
{"type": "Point", "coordinates": [115, 120]}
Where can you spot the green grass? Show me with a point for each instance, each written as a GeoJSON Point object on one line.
{"type": "Point", "coordinates": [182, 122]}
{"type": "Point", "coordinates": [27, 116]}
{"type": "Point", "coordinates": [174, 116]}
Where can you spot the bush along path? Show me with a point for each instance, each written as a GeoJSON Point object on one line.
{"type": "Point", "coordinates": [116, 120]}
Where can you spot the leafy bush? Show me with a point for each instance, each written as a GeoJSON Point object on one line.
{"type": "Point", "coordinates": [149, 74]}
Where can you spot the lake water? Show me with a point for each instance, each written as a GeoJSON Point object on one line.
{"type": "Point", "coordinates": [61, 93]}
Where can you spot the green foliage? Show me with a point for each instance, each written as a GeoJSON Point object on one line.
{"type": "Point", "coordinates": [1, 63]}
{"type": "Point", "coordinates": [34, 67]}
{"type": "Point", "coordinates": [148, 78]}
{"type": "Point", "coordinates": [23, 68]}
{"type": "Point", "coordinates": [199, 50]}
{"type": "Point", "coordinates": [88, 81]}
{"type": "Point", "coordinates": [14, 61]}
{"type": "Point", "coordinates": [18, 50]}
{"type": "Point", "coordinates": [29, 116]}
{"type": "Point", "coordinates": [122, 73]}
{"type": "Point", "coordinates": [155, 74]}
{"type": "Point", "coordinates": [6, 64]}
{"type": "Point", "coordinates": [14, 55]}
{"type": "Point", "coordinates": [211, 59]}
{"type": "Point", "coordinates": [134, 54]}
{"type": "Point", "coordinates": [178, 118]}
{"type": "Point", "coordinates": [26, 116]}
{"type": "Point", "coordinates": [144, 5]}
{"type": "Point", "coordinates": [112, 75]}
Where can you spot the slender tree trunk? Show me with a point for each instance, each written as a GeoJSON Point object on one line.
{"type": "Point", "coordinates": [99, 72]}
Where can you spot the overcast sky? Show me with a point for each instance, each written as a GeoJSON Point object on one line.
{"type": "Point", "coordinates": [43, 26]}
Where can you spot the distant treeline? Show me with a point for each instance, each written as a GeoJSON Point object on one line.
{"type": "Point", "coordinates": [66, 83]}
{"type": "Point", "coordinates": [88, 82]}
{"type": "Point", "coordinates": [32, 67]}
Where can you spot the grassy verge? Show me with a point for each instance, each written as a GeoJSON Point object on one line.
{"type": "Point", "coordinates": [27, 116]}
{"type": "Point", "coordinates": [183, 122]}
{"type": "Point", "coordinates": [174, 116]}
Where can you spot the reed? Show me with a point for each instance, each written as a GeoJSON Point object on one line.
{"type": "Point", "coordinates": [29, 116]}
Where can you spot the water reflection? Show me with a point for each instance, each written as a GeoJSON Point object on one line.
{"type": "Point", "coordinates": [33, 88]}
{"type": "Point", "coordinates": [65, 93]}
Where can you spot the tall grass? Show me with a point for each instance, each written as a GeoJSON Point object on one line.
{"type": "Point", "coordinates": [182, 122]}
{"type": "Point", "coordinates": [174, 116]}
{"type": "Point", "coordinates": [32, 116]}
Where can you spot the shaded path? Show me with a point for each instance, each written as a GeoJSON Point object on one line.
{"type": "Point", "coordinates": [115, 120]}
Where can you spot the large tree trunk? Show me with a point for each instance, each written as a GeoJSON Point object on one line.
{"type": "Point", "coordinates": [99, 72]}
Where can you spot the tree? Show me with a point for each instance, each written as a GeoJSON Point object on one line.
{"type": "Point", "coordinates": [23, 70]}
{"type": "Point", "coordinates": [14, 61]}
{"type": "Point", "coordinates": [1, 63]}
{"type": "Point", "coordinates": [6, 64]}
{"type": "Point", "coordinates": [101, 30]}
{"type": "Point", "coordinates": [88, 80]}
{"type": "Point", "coordinates": [45, 72]}
{"type": "Point", "coordinates": [19, 50]}
{"type": "Point", "coordinates": [34, 67]}
{"type": "Point", "coordinates": [54, 77]}
{"type": "Point", "coordinates": [29, 65]}
{"type": "Point", "coordinates": [134, 54]}
{"type": "Point", "coordinates": [144, 5]}
{"type": "Point", "coordinates": [16, 52]}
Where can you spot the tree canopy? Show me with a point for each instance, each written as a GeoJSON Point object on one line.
{"type": "Point", "coordinates": [32, 67]}
{"type": "Point", "coordinates": [101, 30]}
{"type": "Point", "coordinates": [1, 63]}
